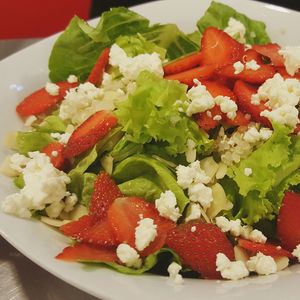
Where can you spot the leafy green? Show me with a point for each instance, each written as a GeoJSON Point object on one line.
{"type": "Point", "coordinates": [218, 15]}
{"type": "Point", "coordinates": [195, 37]}
{"type": "Point", "coordinates": [137, 44]}
{"type": "Point", "coordinates": [88, 188]}
{"type": "Point", "coordinates": [78, 47]}
{"type": "Point", "coordinates": [150, 114]}
{"type": "Point", "coordinates": [170, 37]}
{"type": "Point", "coordinates": [142, 165]}
{"type": "Point", "coordinates": [32, 141]}
{"type": "Point", "coordinates": [52, 123]}
{"type": "Point", "coordinates": [274, 167]}
{"type": "Point", "coordinates": [149, 262]}
{"type": "Point", "coordinates": [141, 187]}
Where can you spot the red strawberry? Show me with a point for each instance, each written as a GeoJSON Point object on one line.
{"type": "Point", "coordinates": [90, 132]}
{"type": "Point", "coordinates": [217, 47]}
{"type": "Point", "coordinates": [218, 89]}
{"type": "Point", "coordinates": [84, 252]}
{"type": "Point", "coordinates": [100, 234]}
{"type": "Point", "coordinates": [41, 101]}
{"type": "Point", "coordinates": [266, 249]}
{"type": "Point", "coordinates": [244, 92]}
{"type": "Point", "coordinates": [105, 192]}
{"type": "Point", "coordinates": [198, 248]}
{"type": "Point", "coordinates": [182, 64]}
{"type": "Point", "coordinates": [282, 71]}
{"type": "Point", "coordinates": [206, 120]}
{"type": "Point", "coordinates": [288, 222]}
{"type": "Point", "coordinates": [55, 151]}
{"type": "Point", "coordinates": [187, 77]}
{"type": "Point", "coordinates": [96, 75]}
{"type": "Point", "coordinates": [124, 215]}
{"type": "Point", "coordinates": [271, 51]}
{"type": "Point", "coordinates": [258, 76]}
{"type": "Point", "coordinates": [251, 54]}
{"type": "Point", "coordinates": [240, 120]}
{"type": "Point", "coordinates": [77, 229]}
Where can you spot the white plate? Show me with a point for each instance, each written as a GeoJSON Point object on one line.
{"type": "Point", "coordinates": [26, 71]}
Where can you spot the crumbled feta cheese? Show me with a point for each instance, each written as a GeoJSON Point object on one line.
{"type": "Point", "coordinates": [193, 213]}
{"type": "Point", "coordinates": [247, 171]}
{"type": "Point", "coordinates": [72, 79]}
{"type": "Point", "coordinates": [191, 151]}
{"type": "Point", "coordinates": [208, 113]}
{"type": "Point", "coordinates": [70, 202]}
{"type": "Point", "coordinates": [282, 262]}
{"type": "Point", "coordinates": [166, 206]}
{"type": "Point", "coordinates": [198, 192]}
{"type": "Point", "coordinates": [54, 209]}
{"type": "Point", "coordinates": [30, 120]}
{"type": "Point", "coordinates": [63, 138]}
{"type": "Point", "coordinates": [52, 89]}
{"type": "Point", "coordinates": [238, 67]}
{"type": "Point", "coordinates": [252, 65]}
{"type": "Point", "coordinates": [240, 144]}
{"type": "Point", "coordinates": [82, 102]}
{"type": "Point", "coordinates": [131, 67]}
{"type": "Point", "coordinates": [173, 271]}
{"type": "Point", "coordinates": [129, 256]}
{"type": "Point", "coordinates": [285, 114]}
{"type": "Point", "coordinates": [145, 233]}
{"type": "Point", "coordinates": [296, 252]}
{"type": "Point", "coordinates": [232, 226]}
{"type": "Point", "coordinates": [18, 162]}
{"type": "Point", "coordinates": [44, 185]}
{"type": "Point", "coordinates": [227, 106]}
{"type": "Point", "coordinates": [217, 118]}
{"type": "Point", "coordinates": [246, 231]}
{"type": "Point", "coordinates": [193, 228]}
{"type": "Point", "coordinates": [201, 100]}
{"type": "Point", "coordinates": [54, 153]}
{"type": "Point", "coordinates": [262, 264]}
{"type": "Point", "coordinates": [257, 236]}
{"type": "Point", "coordinates": [232, 270]}
{"type": "Point", "coordinates": [236, 29]}
{"type": "Point", "coordinates": [291, 57]}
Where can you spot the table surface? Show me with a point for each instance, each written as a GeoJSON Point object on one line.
{"type": "Point", "coordinates": [21, 279]}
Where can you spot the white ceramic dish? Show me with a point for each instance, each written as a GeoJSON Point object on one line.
{"type": "Point", "coordinates": [26, 71]}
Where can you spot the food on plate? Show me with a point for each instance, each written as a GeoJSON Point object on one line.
{"type": "Point", "coordinates": [155, 150]}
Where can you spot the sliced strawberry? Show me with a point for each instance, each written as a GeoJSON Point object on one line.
{"type": "Point", "coordinates": [96, 75]}
{"type": "Point", "coordinates": [198, 248]}
{"type": "Point", "coordinates": [288, 222]}
{"type": "Point", "coordinates": [84, 252]}
{"type": "Point", "coordinates": [297, 129]}
{"type": "Point", "coordinates": [182, 64]}
{"type": "Point", "coordinates": [124, 215]}
{"type": "Point", "coordinates": [266, 249]}
{"type": "Point", "coordinates": [206, 120]}
{"type": "Point", "coordinates": [77, 229]}
{"type": "Point", "coordinates": [271, 51]}
{"type": "Point", "coordinates": [100, 234]}
{"type": "Point", "coordinates": [282, 71]}
{"type": "Point", "coordinates": [251, 54]}
{"type": "Point", "coordinates": [217, 47]}
{"type": "Point", "coordinates": [218, 89]}
{"type": "Point", "coordinates": [90, 132]}
{"type": "Point", "coordinates": [240, 120]}
{"type": "Point", "coordinates": [200, 73]}
{"type": "Point", "coordinates": [252, 76]}
{"type": "Point", "coordinates": [104, 194]}
{"type": "Point", "coordinates": [41, 101]}
{"type": "Point", "coordinates": [244, 92]}
{"type": "Point", "coordinates": [55, 151]}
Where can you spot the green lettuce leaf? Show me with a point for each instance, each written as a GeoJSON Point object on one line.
{"type": "Point", "coordinates": [141, 187]}
{"type": "Point", "coordinates": [32, 141]}
{"type": "Point", "coordinates": [88, 188]}
{"type": "Point", "coordinates": [142, 165]}
{"type": "Point", "coordinates": [195, 37]}
{"type": "Point", "coordinates": [149, 262]}
{"type": "Point", "coordinates": [52, 123]}
{"type": "Point", "coordinates": [171, 38]}
{"type": "Point", "coordinates": [150, 114]}
{"type": "Point", "coordinates": [137, 44]}
{"type": "Point", "coordinates": [218, 15]}
{"type": "Point", "coordinates": [78, 47]}
{"type": "Point", "coordinates": [274, 167]}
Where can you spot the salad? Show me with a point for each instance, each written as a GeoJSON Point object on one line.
{"type": "Point", "coordinates": [165, 152]}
